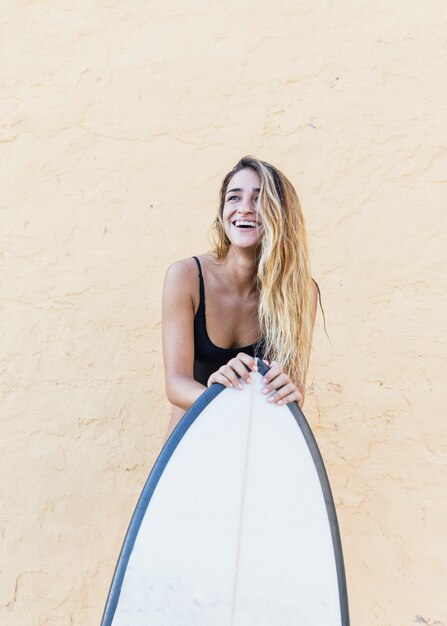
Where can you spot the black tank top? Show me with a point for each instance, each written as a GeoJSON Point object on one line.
{"type": "Point", "coordinates": [207, 356]}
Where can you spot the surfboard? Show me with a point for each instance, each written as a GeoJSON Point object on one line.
{"type": "Point", "coordinates": [236, 524]}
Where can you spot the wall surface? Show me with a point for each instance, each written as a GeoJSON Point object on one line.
{"type": "Point", "coordinates": [118, 121]}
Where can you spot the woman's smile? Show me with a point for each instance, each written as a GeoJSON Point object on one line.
{"type": "Point", "coordinates": [246, 224]}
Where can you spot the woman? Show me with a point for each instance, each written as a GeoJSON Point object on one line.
{"type": "Point", "coordinates": [260, 297]}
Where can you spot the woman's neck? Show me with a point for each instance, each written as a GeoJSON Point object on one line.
{"type": "Point", "coordinates": [240, 268]}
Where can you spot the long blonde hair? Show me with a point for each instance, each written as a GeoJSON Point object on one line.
{"type": "Point", "coordinates": [283, 275]}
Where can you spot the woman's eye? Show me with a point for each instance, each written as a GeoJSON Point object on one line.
{"type": "Point", "coordinates": [238, 198]}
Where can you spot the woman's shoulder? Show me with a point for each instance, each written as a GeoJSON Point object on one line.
{"type": "Point", "coordinates": [185, 271]}
{"type": "Point", "coordinates": [183, 267]}
{"type": "Point", "coordinates": [188, 267]}
{"type": "Point", "coordinates": [181, 274]}
{"type": "Point", "coordinates": [181, 283]}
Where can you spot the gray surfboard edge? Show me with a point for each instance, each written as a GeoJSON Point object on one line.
{"type": "Point", "coordinates": [143, 502]}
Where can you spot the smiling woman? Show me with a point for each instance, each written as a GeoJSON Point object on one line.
{"type": "Point", "coordinates": [260, 297]}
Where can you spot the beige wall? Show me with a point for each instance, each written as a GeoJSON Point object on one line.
{"type": "Point", "coordinates": [118, 120]}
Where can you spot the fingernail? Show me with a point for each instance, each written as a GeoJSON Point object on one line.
{"type": "Point", "coordinates": [240, 386]}
{"type": "Point", "coordinates": [264, 380]}
{"type": "Point", "coordinates": [255, 368]}
{"type": "Point", "coordinates": [279, 402]}
{"type": "Point", "coordinates": [271, 399]}
{"type": "Point", "coordinates": [265, 390]}
{"type": "Point", "coordinates": [248, 380]}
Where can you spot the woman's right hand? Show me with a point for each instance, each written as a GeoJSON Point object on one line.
{"type": "Point", "coordinates": [228, 374]}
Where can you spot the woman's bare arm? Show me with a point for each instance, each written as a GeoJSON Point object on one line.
{"type": "Point", "coordinates": [178, 334]}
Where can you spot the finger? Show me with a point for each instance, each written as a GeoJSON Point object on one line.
{"type": "Point", "coordinates": [248, 360]}
{"type": "Point", "coordinates": [212, 379]}
{"type": "Point", "coordinates": [291, 397]}
{"type": "Point", "coordinates": [276, 383]}
{"type": "Point", "coordinates": [265, 361]}
{"type": "Point", "coordinates": [275, 370]}
{"type": "Point", "coordinates": [282, 393]}
{"type": "Point", "coordinates": [228, 371]}
{"type": "Point", "coordinates": [223, 377]}
{"type": "Point", "coordinates": [219, 377]}
{"type": "Point", "coordinates": [240, 368]}
{"type": "Point", "coordinates": [285, 395]}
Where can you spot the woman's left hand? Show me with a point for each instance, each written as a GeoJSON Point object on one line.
{"type": "Point", "coordinates": [277, 380]}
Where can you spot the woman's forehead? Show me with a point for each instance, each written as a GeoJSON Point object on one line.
{"type": "Point", "coordinates": [246, 178]}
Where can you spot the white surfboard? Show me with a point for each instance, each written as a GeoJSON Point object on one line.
{"type": "Point", "coordinates": [236, 525]}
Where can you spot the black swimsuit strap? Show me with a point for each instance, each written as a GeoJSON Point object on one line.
{"type": "Point", "coordinates": [201, 306]}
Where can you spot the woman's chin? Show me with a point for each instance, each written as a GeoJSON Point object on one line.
{"type": "Point", "coordinates": [245, 241]}
{"type": "Point", "coordinates": [245, 246]}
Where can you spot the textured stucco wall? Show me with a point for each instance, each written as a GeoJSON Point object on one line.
{"type": "Point", "coordinates": [118, 120]}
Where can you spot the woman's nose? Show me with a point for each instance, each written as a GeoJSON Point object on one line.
{"type": "Point", "coordinates": [247, 205]}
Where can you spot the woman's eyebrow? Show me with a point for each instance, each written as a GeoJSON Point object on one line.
{"type": "Point", "coordinates": [239, 189]}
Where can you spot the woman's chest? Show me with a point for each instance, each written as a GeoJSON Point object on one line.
{"type": "Point", "coordinates": [231, 321]}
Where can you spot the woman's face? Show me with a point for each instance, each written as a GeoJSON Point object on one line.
{"type": "Point", "coordinates": [242, 223]}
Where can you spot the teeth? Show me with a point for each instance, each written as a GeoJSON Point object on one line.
{"type": "Point", "coordinates": [242, 223]}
